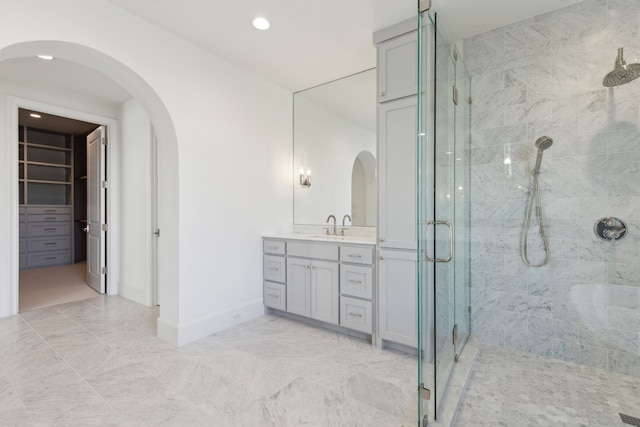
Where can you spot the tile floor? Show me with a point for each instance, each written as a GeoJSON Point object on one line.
{"type": "Point", "coordinates": [509, 388]}
{"type": "Point", "coordinates": [97, 363]}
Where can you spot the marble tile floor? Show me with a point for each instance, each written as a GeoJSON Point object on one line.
{"type": "Point", "coordinates": [97, 362]}
{"type": "Point", "coordinates": [510, 388]}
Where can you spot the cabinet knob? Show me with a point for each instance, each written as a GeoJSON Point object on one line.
{"type": "Point", "coordinates": [381, 239]}
{"type": "Point", "coordinates": [380, 258]}
{"type": "Point", "coordinates": [381, 93]}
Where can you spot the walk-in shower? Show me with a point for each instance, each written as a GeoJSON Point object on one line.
{"type": "Point", "coordinates": [542, 144]}
{"type": "Point", "coordinates": [622, 72]}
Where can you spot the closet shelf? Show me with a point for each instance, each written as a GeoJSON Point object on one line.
{"type": "Point", "coordinates": [49, 147]}
{"type": "Point", "coordinates": [40, 181]}
{"type": "Point", "coordinates": [56, 165]}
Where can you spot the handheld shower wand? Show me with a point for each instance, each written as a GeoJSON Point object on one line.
{"type": "Point", "coordinates": [542, 144]}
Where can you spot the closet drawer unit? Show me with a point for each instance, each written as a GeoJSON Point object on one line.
{"type": "Point", "coordinates": [313, 250]}
{"type": "Point", "coordinates": [275, 295]}
{"type": "Point", "coordinates": [44, 259]}
{"type": "Point", "coordinates": [22, 244]}
{"type": "Point", "coordinates": [22, 218]}
{"type": "Point", "coordinates": [48, 210]}
{"type": "Point", "coordinates": [356, 314]}
{"type": "Point", "coordinates": [52, 244]}
{"type": "Point", "coordinates": [23, 264]}
{"type": "Point", "coordinates": [356, 254]}
{"type": "Point", "coordinates": [49, 218]}
{"type": "Point", "coordinates": [274, 268]}
{"type": "Point", "coordinates": [22, 229]}
{"type": "Point", "coordinates": [53, 229]}
{"type": "Point", "coordinates": [276, 247]}
{"type": "Point", "coordinates": [356, 281]}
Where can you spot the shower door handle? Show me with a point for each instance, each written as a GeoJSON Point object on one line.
{"type": "Point", "coordinates": [450, 226]}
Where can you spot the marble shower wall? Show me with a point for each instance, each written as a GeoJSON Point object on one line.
{"type": "Point", "coordinates": [543, 76]}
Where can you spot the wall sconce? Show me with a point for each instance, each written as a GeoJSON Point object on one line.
{"type": "Point", "coordinates": [305, 178]}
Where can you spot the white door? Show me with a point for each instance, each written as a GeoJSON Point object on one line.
{"type": "Point", "coordinates": [96, 238]}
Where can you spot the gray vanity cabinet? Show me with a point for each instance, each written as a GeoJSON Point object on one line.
{"type": "Point", "coordinates": [397, 67]}
{"type": "Point", "coordinates": [326, 281]}
{"type": "Point", "coordinates": [274, 274]}
{"type": "Point", "coordinates": [397, 148]}
{"type": "Point", "coordinates": [313, 281]}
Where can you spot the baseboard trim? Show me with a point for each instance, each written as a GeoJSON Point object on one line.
{"type": "Point", "coordinates": [180, 335]}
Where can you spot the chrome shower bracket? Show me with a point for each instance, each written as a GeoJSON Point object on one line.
{"type": "Point", "coordinates": [610, 228]}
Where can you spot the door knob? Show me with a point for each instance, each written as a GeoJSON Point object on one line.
{"type": "Point", "coordinates": [85, 229]}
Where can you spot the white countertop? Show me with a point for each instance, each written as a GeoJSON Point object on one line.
{"type": "Point", "coordinates": [319, 237]}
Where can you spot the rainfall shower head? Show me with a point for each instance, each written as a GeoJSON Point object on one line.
{"type": "Point", "coordinates": [622, 73]}
{"type": "Point", "coordinates": [542, 144]}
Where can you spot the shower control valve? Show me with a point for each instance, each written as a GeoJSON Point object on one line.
{"type": "Point", "coordinates": [610, 228]}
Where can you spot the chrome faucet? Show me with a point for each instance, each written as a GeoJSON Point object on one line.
{"type": "Point", "coordinates": [343, 218]}
{"type": "Point", "coordinates": [335, 231]}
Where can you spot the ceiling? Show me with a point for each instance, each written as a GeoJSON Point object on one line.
{"type": "Point", "coordinates": [54, 123]}
{"type": "Point", "coordinates": [309, 42]}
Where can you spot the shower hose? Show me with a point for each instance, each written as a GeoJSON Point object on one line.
{"type": "Point", "coordinates": [534, 197]}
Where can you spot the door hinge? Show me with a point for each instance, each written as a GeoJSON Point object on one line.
{"type": "Point", "coordinates": [157, 232]}
{"type": "Point", "coordinates": [425, 393]}
{"type": "Point", "coordinates": [454, 334]}
{"type": "Point", "coordinates": [470, 100]}
{"type": "Point", "coordinates": [455, 95]}
{"type": "Point", "coordinates": [104, 140]}
{"type": "Point", "coordinates": [105, 184]}
{"type": "Point", "coordinates": [104, 270]}
{"type": "Point", "coordinates": [105, 227]}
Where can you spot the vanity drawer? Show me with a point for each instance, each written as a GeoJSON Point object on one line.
{"type": "Point", "coordinates": [274, 268]}
{"type": "Point", "coordinates": [51, 244]}
{"type": "Point", "coordinates": [356, 281]}
{"type": "Point", "coordinates": [275, 295]}
{"type": "Point", "coordinates": [49, 210]}
{"type": "Point", "coordinates": [55, 229]}
{"type": "Point", "coordinates": [277, 247]}
{"type": "Point", "coordinates": [356, 254]}
{"type": "Point", "coordinates": [43, 259]}
{"type": "Point", "coordinates": [313, 250]}
{"type": "Point", "coordinates": [356, 314]}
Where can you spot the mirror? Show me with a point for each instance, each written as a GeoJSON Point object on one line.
{"type": "Point", "coordinates": [334, 140]}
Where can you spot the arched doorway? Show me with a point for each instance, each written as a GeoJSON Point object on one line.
{"type": "Point", "coordinates": [145, 95]}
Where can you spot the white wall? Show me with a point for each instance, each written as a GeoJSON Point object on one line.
{"type": "Point", "coordinates": [226, 181]}
{"type": "Point", "coordinates": [135, 204]}
{"type": "Point", "coordinates": [328, 145]}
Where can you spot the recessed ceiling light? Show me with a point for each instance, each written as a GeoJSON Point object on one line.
{"type": "Point", "coordinates": [35, 116]}
{"type": "Point", "coordinates": [45, 57]}
{"type": "Point", "coordinates": [261, 23]}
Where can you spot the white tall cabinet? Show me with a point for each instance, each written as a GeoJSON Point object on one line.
{"type": "Point", "coordinates": [397, 146]}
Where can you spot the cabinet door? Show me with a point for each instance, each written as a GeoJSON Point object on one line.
{"type": "Point", "coordinates": [299, 286]}
{"type": "Point", "coordinates": [397, 136]}
{"type": "Point", "coordinates": [325, 292]}
{"type": "Point", "coordinates": [398, 297]}
{"type": "Point", "coordinates": [398, 67]}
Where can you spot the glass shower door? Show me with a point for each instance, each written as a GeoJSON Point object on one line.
{"type": "Point", "coordinates": [443, 209]}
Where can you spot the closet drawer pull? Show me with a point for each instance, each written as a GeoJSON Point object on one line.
{"type": "Point", "coordinates": [355, 281]}
{"type": "Point", "coordinates": [50, 229]}
{"type": "Point", "coordinates": [355, 314]}
{"type": "Point", "coordinates": [355, 256]}
{"type": "Point", "coordinates": [51, 258]}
